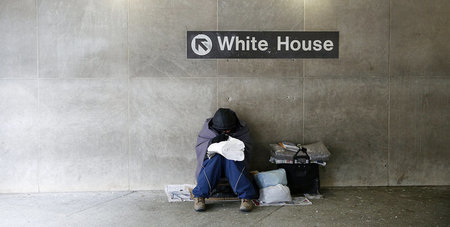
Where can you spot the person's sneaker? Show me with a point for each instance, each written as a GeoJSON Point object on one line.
{"type": "Point", "coordinates": [199, 204]}
{"type": "Point", "coordinates": [246, 205]}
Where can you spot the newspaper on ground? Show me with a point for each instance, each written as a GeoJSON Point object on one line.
{"type": "Point", "coordinates": [179, 192]}
{"type": "Point", "coordinates": [313, 196]}
{"type": "Point", "coordinates": [296, 201]}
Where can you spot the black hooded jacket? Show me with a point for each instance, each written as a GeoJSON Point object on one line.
{"type": "Point", "coordinates": [209, 131]}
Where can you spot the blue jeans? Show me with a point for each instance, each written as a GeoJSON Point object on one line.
{"type": "Point", "coordinates": [213, 169]}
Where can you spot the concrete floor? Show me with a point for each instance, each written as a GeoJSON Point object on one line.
{"type": "Point", "coordinates": [379, 206]}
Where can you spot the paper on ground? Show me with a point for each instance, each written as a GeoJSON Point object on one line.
{"type": "Point", "coordinates": [296, 201]}
{"type": "Point", "coordinates": [232, 149]}
{"type": "Point", "coordinates": [310, 196]}
{"type": "Point", "coordinates": [179, 192]}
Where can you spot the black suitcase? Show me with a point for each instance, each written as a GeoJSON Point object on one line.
{"type": "Point", "coordinates": [302, 176]}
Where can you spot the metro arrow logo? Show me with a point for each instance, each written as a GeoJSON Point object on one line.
{"type": "Point", "coordinates": [201, 44]}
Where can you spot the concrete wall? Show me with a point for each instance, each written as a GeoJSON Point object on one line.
{"type": "Point", "coordinates": [99, 95]}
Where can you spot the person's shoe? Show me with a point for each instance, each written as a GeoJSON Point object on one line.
{"type": "Point", "coordinates": [246, 205]}
{"type": "Point", "coordinates": [199, 204]}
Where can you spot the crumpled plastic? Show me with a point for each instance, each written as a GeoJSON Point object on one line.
{"type": "Point", "coordinates": [275, 194]}
{"type": "Point", "coordinates": [232, 149]}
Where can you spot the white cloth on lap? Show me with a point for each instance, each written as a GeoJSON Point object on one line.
{"type": "Point", "coordinates": [232, 149]}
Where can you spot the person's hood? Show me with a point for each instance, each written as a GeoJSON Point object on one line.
{"type": "Point", "coordinates": [224, 119]}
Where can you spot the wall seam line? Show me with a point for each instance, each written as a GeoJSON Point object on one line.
{"type": "Point", "coordinates": [217, 87]}
{"type": "Point", "coordinates": [128, 97]}
{"type": "Point", "coordinates": [303, 76]}
{"type": "Point", "coordinates": [38, 98]}
{"type": "Point", "coordinates": [217, 60]}
{"type": "Point", "coordinates": [230, 77]}
{"type": "Point", "coordinates": [389, 101]}
{"type": "Point", "coordinates": [212, 77]}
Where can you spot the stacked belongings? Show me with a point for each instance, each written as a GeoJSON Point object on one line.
{"type": "Point", "coordinates": [272, 186]}
{"type": "Point", "coordinates": [301, 164]}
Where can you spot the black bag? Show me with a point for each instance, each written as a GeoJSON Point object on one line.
{"type": "Point", "coordinates": [302, 176]}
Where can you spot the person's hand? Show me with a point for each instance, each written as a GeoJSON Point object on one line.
{"type": "Point", "coordinates": [220, 138]}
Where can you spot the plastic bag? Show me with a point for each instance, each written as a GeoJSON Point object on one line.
{"type": "Point", "coordinates": [271, 178]}
{"type": "Point", "coordinates": [275, 194]}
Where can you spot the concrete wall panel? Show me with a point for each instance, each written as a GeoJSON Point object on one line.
{"type": "Point", "coordinates": [166, 117]}
{"type": "Point", "coordinates": [363, 36]}
{"type": "Point", "coordinates": [157, 37]}
{"type": "Point", "coordinates": [351, 117]}
{"type": "Point", "coordinates": [420, 129]}
{"type": "Point", "coordinates": [84, 135]}
{"type": "Point", "coordinates": [271, 107]}
{"type": "Point", "coordinates": [86, 38]}
{"type": "Point", "coordinates": [255, 15]}
{"type": "Point", "coordinates": [18, 43]}
{"type": "Point", "coordinates": [99, 94]}
{"type": "Point", "coordinates": [419, 38]}
{"type": "Point", "coordinates": [260, 15]}
{"type": "Point", "coordinates": [18, 136]}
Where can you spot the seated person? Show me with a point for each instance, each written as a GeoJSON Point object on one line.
{"type": "Point", "coordinates": [209, 170]}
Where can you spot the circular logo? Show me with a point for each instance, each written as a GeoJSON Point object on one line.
{"type": "Point", "coordinates": [201, 44]}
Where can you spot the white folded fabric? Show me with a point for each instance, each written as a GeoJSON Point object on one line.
{"type": "Point", "coordinates": [232, 149]}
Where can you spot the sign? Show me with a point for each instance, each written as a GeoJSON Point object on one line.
{"type": "Point", "coordinates": [268, 44]}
